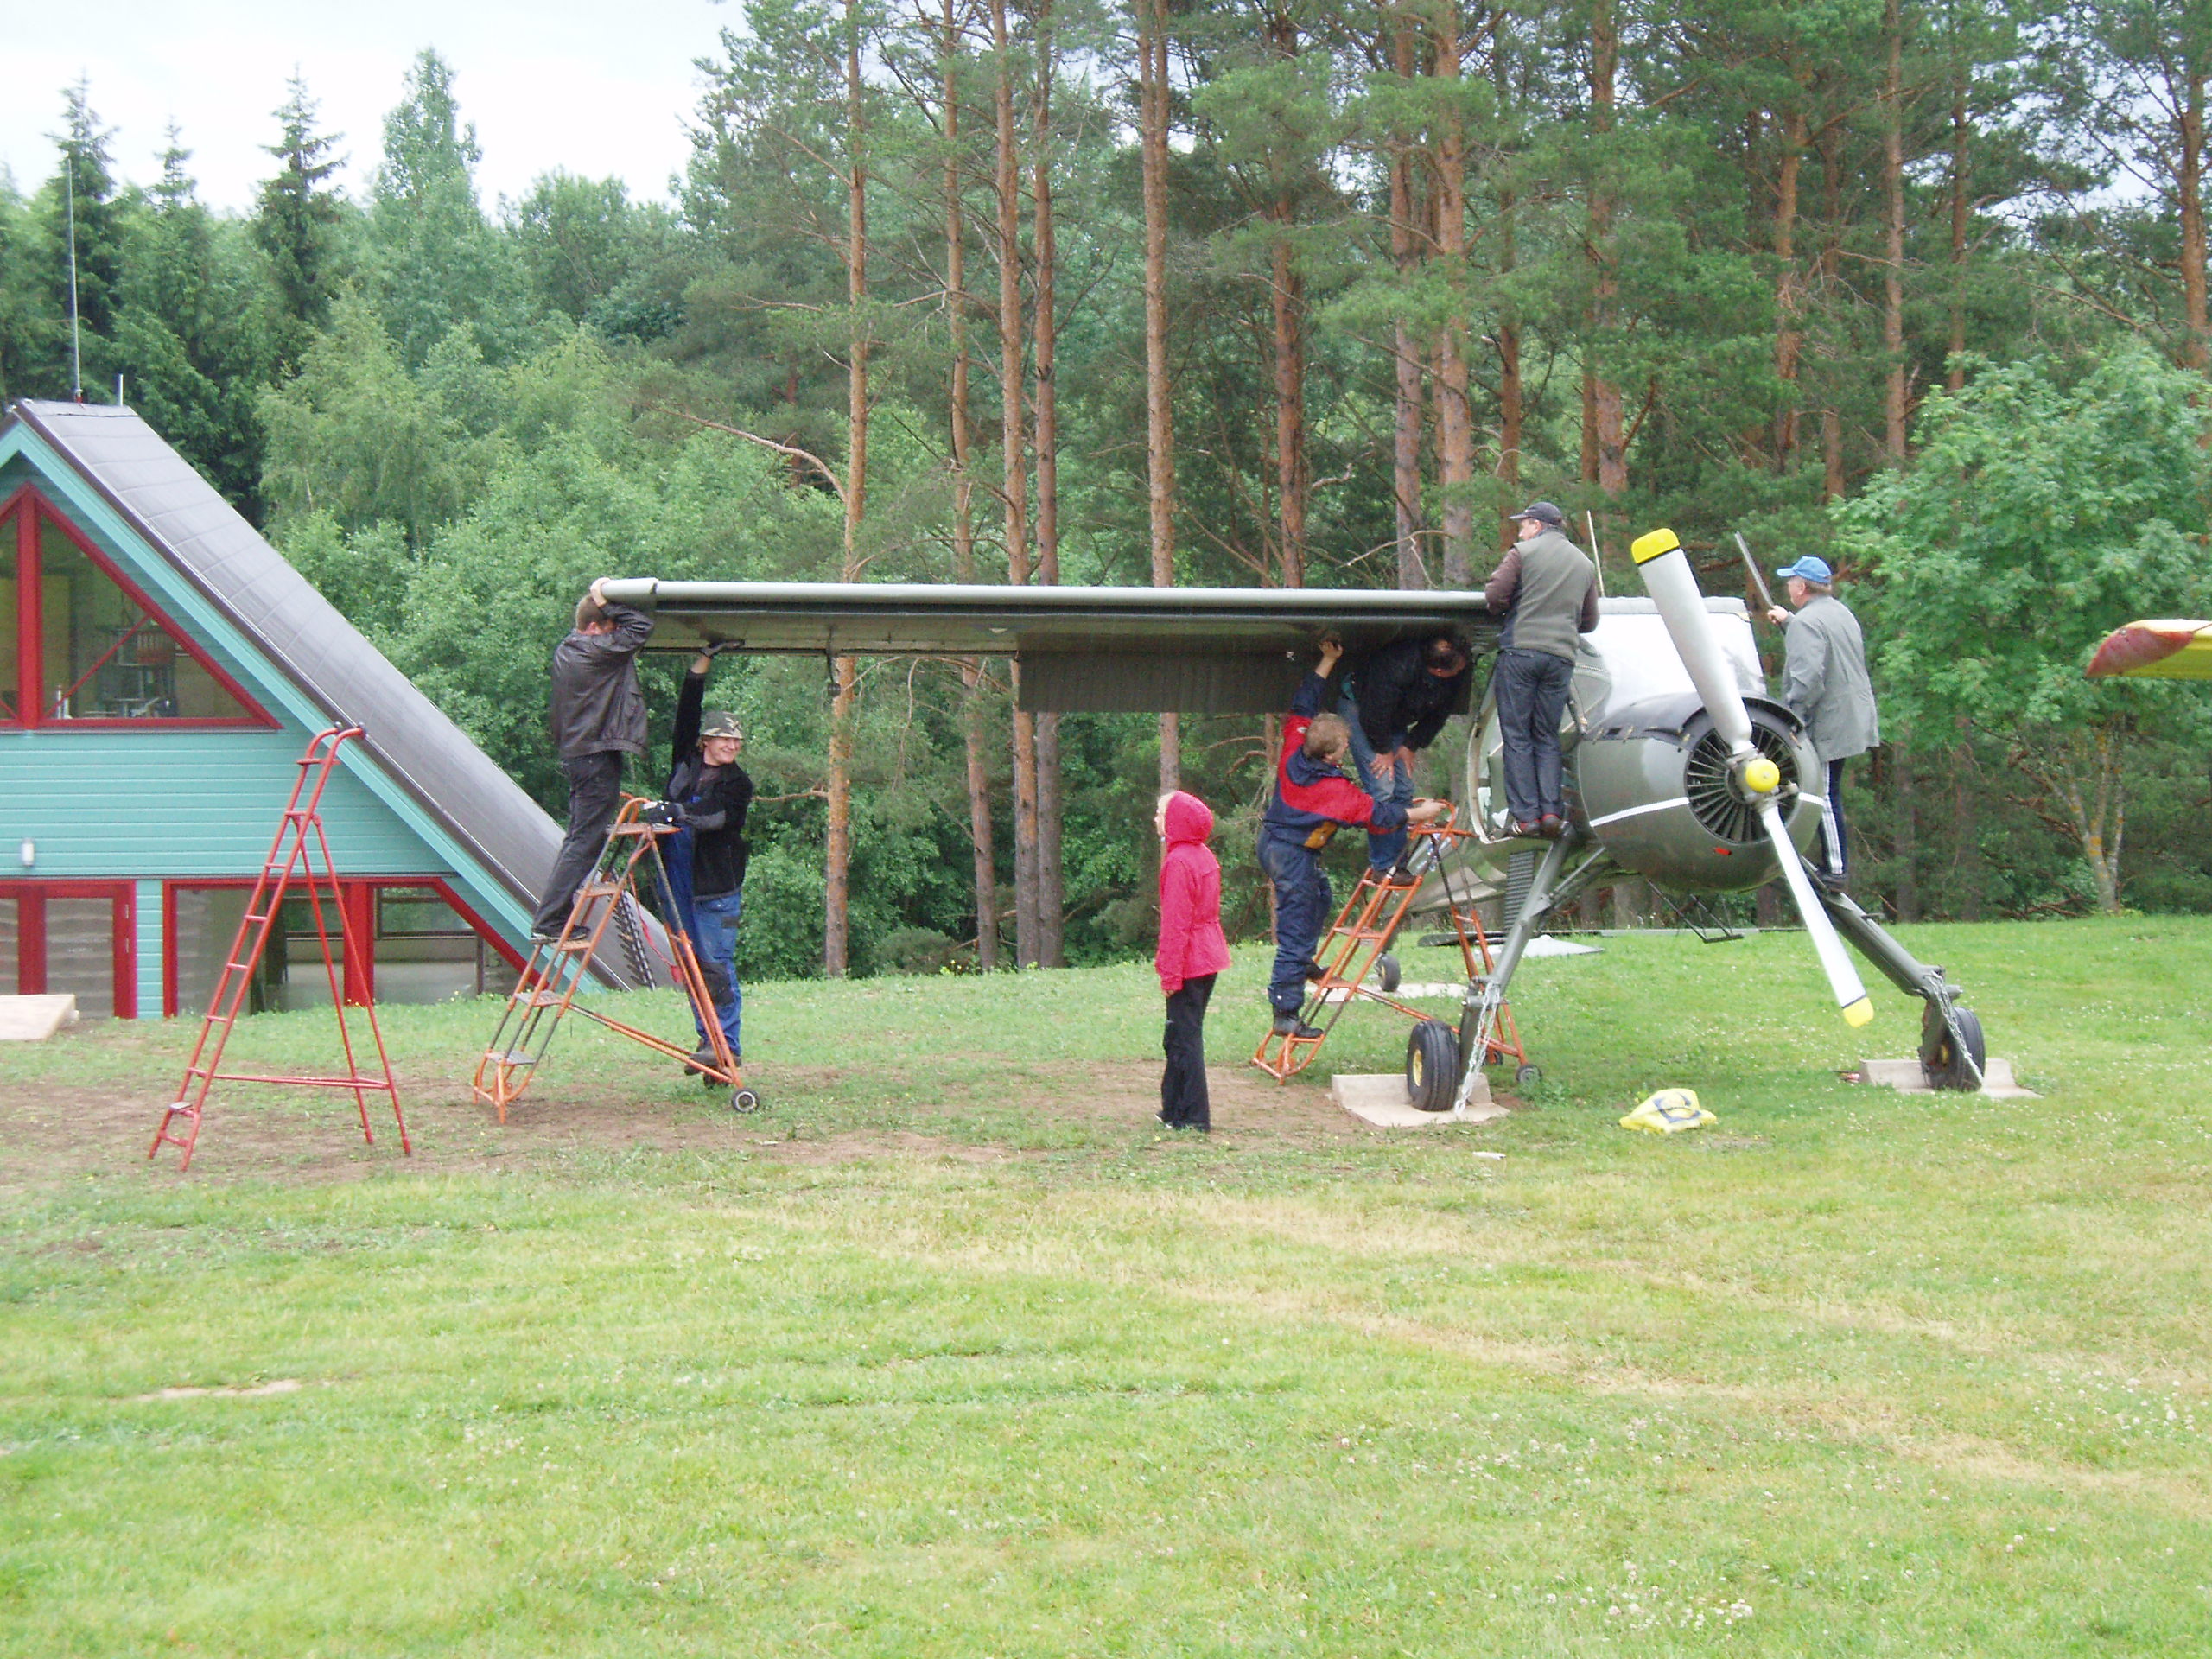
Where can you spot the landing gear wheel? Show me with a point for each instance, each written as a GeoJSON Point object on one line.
{"type": "Point", "coordinates": [1526, 1075]}
{"type": "Point", "coordinates": [745, 1101]}
{"type": "Point", "coordinates": [1432, 1066]}
{"type": "Point", "coordinates": [1386, 974]}
{"type": "Point", "coordinates": [1942, 1061]}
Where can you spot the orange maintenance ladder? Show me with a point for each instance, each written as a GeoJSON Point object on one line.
{"type": "Point", "coordinates": [1362, 935]}
{"type": "Point", "coordinates": [557, 968]}
{"type": "Point", "coordinates": [291, 856]}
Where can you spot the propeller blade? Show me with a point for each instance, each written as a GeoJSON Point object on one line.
{"type": "Point", "coordinates": [1673, 587]}
{"type": "Point", "coordinates": [1851, 996]}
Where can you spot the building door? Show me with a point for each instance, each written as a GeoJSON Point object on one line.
{"type": "Point", "coordinates": [78, 937]}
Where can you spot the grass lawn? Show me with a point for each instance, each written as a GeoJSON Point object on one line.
{"type": "Point", "coordinates": [950, 1351]}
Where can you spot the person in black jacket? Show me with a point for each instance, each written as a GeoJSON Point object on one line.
{"type": "Point", "coordinates": [598, 716]}
{"type": "Point", "coordinates": [1396, 701]}
{"type": "Point", "coordinates": [708, 795]}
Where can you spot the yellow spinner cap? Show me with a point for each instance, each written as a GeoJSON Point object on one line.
{"type": "Point", "coordinates": [1859, 1011]}
{"type": "Point", "coordinates": [1652, 543]}
{"type": "Point", "coordinates": [1761, 777]}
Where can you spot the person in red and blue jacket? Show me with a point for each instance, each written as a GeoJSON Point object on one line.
{"type": "Point", "coordinates": [1193, 951]}
{"type": "Point", "coordinates": [1312, 799]}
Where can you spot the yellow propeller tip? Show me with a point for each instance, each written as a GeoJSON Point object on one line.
{"type": "Point", "coordinates": [1859, 1011]}
{"type": "Point", "coordinates": [1761, 777]}
{"type": "Point", "coordinates": [1649, 545]}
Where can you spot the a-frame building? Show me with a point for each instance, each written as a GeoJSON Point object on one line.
{"type": "Point", "coordinates": [161, 668]}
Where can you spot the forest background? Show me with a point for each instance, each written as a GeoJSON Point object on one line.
{"type": "Point", "coordinates": [1180, 292]}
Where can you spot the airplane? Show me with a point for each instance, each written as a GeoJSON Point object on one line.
{"type": "Point", "coordinates": [1681, 769]}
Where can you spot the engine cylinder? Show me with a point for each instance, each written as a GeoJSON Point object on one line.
{"type": "Point", "coordinates": [1660, 795]}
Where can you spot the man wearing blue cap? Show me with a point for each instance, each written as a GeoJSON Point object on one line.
{"type": "Point", "coordinates": [1547, 589]}
{"type": "Point", "coordinates": [1824, 682]}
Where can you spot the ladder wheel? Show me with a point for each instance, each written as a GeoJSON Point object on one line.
{"type": "Point", "coordinates": [745, 1101]}
{"type": "Point", "coordinates": [1432, 1066]}
{"type": "Point", "coordinates": [1526, 1075]}
{"type": "Point", "coordinates": [1386, 975]}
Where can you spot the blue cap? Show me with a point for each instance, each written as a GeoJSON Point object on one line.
{"type": "Point", "coordinates": [1811, 568]}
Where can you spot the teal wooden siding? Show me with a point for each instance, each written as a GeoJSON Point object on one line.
{"type": "Point", "coordinates": [155, 803]}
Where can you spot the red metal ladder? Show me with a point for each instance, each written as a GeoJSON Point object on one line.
{"type": "Point", "coordinates": [1364, 929]}
{"type": "Point", "coordinates": [556, 969]}
{"type": "Point", "coordinates": [292, 856]}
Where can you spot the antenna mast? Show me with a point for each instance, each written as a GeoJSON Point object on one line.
{"type": "Point", "coordinates": [76, 347]}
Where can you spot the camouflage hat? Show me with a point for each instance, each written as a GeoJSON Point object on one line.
{"type": "Point", "coordinates": [720, 722]}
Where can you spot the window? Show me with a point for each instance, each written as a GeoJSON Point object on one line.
{"type": "Point", "coordinates": [78, 937]}
{"type": "Point", "coordinates": [82, 646]}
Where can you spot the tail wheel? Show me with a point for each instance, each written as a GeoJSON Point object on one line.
{"type": "Point", "coordinates": [1386, 975]}
{"type": "Point", "coordinates": [1944, 1055]}
{"type": "Point", "coordinates": [1432, 1066]}
{"type": "Point", "coordinates": [744, 1100]}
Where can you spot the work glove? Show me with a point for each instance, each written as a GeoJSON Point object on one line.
{"type": "Point", "coordinates": [662, 812]}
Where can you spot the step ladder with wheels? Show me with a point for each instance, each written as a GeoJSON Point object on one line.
{"type": "Point", "coordinates": [1357, 947]}
{"type": "Point", "coordinates": [299, 861]}
{"type": "Point", "coordinates": [556, 970]}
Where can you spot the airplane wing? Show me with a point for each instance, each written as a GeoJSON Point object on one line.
{"type": "Point", "coordinates": [2162, 649]}
{"type": "Point", "coordinates": [1196, 649]}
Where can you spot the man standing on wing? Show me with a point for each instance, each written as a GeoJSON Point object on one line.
{"type": "Point", "coordinates": [1547, 589]}
{"type": "Point", "coordinates": [1396, 703]}
{"type": "Point", "coordinates": [1824, 682]}
{"type": "Point", "coordinates": [598, 716]}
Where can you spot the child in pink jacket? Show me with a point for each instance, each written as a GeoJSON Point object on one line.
{"type": "Point", "coordinates": [1191, 952]}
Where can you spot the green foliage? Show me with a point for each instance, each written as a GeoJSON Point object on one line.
{"type": "Point", "coordinates": [299, 223]}
{"type": "Point", "coordinates": [355, 436]}
{"type": "Point", "coordinates": [2039, 516]}
{"type": "Point", "coordinates": [440, 268]}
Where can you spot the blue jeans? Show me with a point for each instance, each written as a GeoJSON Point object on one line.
{"type": "Point", "coordinates": [1383, 848]}
{"type": "Point", "coordinates": [716, 943]}
{"type": "Point", "coordinates": [1530, 689]}
{"type": "Point", "coordinates": [1304, 901]}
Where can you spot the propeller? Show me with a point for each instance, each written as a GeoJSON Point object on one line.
{"type": "Point", "coordinates": [1673, 587]}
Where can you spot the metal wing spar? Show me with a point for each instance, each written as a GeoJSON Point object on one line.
{"type": "Point", "coordinates": [1196, 649]}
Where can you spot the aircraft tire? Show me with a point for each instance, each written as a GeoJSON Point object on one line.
{"type": "Point", "coordinates": [1432, 1066]}
{"type": "Point", "coordinates": [1941, 1060]}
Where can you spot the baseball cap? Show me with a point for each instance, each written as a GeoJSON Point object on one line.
{"type": "Point", "coordinates": [720, 722]}
{"type": "Point", "coordinates": [1543, 511]}
{"type": "Point", "coordinates": [1811, 568]}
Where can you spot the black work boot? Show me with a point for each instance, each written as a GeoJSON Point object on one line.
{"type": "Point", "coordinates": [1289, 1024]}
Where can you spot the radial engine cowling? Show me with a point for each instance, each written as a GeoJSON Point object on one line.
{"type": "Point", "coordinates": [1660, 797]}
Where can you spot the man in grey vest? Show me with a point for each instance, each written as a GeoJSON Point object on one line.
{"type": "Point", "coordinates": [1824, 682]}
{"type": "Point", "coordinates": [1547, 589]}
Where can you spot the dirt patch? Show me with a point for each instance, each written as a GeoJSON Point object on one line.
{"type": "Point", "coordinates": [57, 1131]}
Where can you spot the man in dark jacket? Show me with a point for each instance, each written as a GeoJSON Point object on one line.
{"type": "Point", "coordinates": [709, 794]}
{"type": "Point", "coordinates": [1547, 589]}
{"type": "Point", "coordinates": [1396, 701]}
{"type": "Point", "coordinates": [598, 716]}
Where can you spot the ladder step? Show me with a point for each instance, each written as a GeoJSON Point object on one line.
{"type": "Point", "coordinates": [599, 890]}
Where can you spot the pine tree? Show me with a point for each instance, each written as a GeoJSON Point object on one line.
{"type": "Point", "coordinates": [441, 269]}
{"type": "Point", "coordinates": [298, 222]}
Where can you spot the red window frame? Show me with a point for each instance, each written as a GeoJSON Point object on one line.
{"type": "Point", "coordinates": [29, 504]}
{"type": "Point", "coordinates": [31, 897]}
{"type": "Point", "coordinates": [357, 902]}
